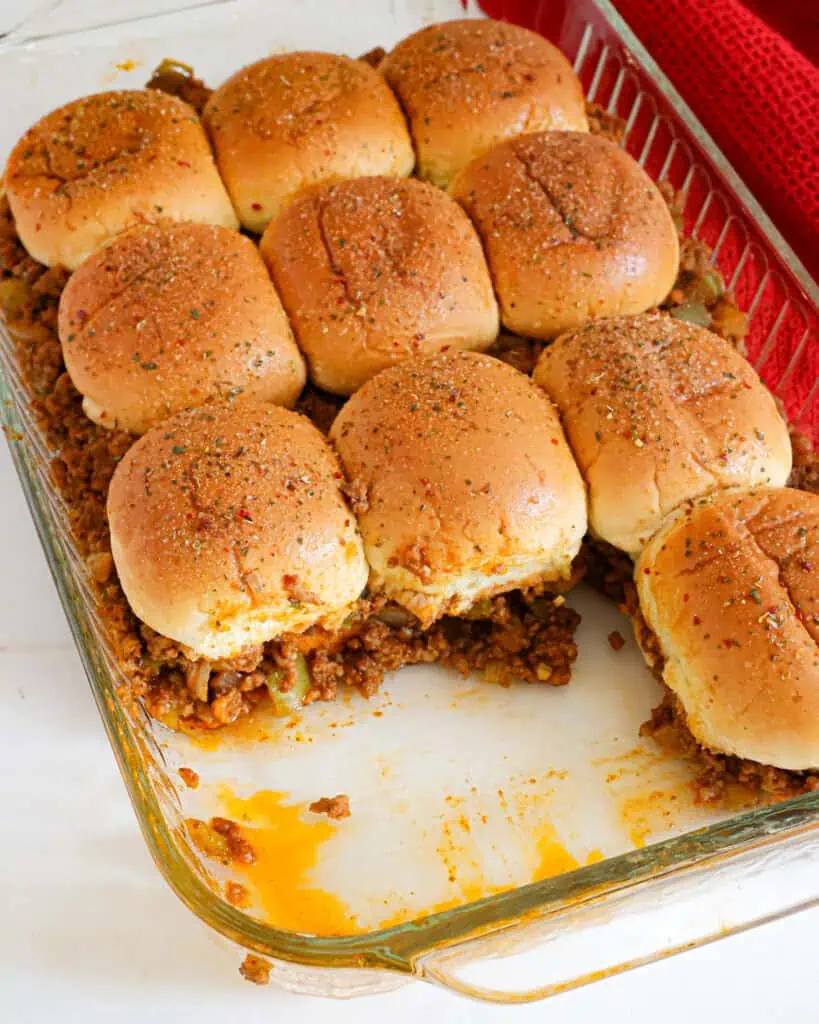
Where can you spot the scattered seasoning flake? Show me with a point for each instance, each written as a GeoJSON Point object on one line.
{"type": "Point", "coordinates": [755, 595]}
{"type": "Point", "coordinates": [149, 366]}
{"type": "Point", "coordinates": [195, 314]}
{"type": "Point", "coordinates": [178, 449]}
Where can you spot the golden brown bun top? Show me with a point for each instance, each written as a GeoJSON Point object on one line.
{"type": "Point", "coordinates": [300, 119]}
{"type": "Point", "coordinates": [658, 411]}
{"type": "Point", "coordinates": [374, 270]}
{"type": "Point", "coordinates": [461, 468]}
{"type": "Point", "coordinates": [730, 587]}
{"type": "Point", "coordinates": [573, 228]}
{"type": "Point", "coordinates": [228, 527]}
{"type": "Point", "coordinates": [105, 162]}
{"type": "Point", "coordinates": [170, 316]}
{"type": "Point", "coordinates": [465, 85]}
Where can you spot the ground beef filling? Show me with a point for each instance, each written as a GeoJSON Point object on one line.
{"type": "Point", "coordinates": [669, 728]}
{"type": "Point", "coordinates": [515, 638]}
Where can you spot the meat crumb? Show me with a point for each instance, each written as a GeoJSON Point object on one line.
{"type": "Point", "coordinates": [254, 969]}
{"type": "Point", "coordinates": [617, 640]}
{"type": "Point", "coordinates": [236, 894]}
{"type": "Point", "coordinates": [222, 840]}
{"type": "Point", "coordinates": [374, 57]}
{"type": "Point", "coordinates": [189, 777]}
{"type": "Point", "coordinates": [332, 806]}
{"type": "Point", "coordinates": [239, 848]}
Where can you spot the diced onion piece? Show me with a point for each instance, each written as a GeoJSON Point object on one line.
{"type": "Point", "coordinates": [170, 64]}
{"type": "Point", "coordinates": [394, 616]}
{"type": "Point", "coordinates": [709, 288]}
{"type": "Point", "coordinates": [197, 676]}
{"type": "Point", "coordinates": [286, 702]}
{"type": "Point", "coordinates": [171, 76]}
{"type": "Point", "coordinates": [692, 313]}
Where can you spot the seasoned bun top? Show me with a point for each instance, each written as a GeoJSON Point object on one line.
{"type": "Point", "coordinates": [658, 411]}
{"type": "Point", "coordinates": [375, 270]}
{"type": "Point", "coordinates": [463, 481]}
{"type": "Point", "coordinates": [573, 228]}
{"type": "Point", "coordinates": [103, 163]}
{"type": "Point", "coordinates": [228, 528]}
{"type": "Point", "coordinates": [465, 85]}
{"type": "Point", "coordinates": [169, 316]}
{"type": "Point", "coordinates": [299, 119]}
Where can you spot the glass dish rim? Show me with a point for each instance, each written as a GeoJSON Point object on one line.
{"type": "Point", "coordinates": [398, 947]}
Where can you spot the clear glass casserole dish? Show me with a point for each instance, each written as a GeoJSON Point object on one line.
{"type": "Point", "coordinates": [610, 904]}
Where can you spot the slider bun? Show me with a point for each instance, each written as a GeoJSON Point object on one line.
{"type": "Point", "coordinates": [573, 228]}
{"type": "Point", "coordinates": [465, 85]}
{"type": "Point", "coordinates": [464, 485]}
{"type": "Point", "coordinates": [169, 316]}
{"type": "Point", "coordinates": [658, 411]}
{"type": "Point", "coordinates": [96, 166]}
{"type": "Point", "coordinates": [730, 589]}
{"type": "Point", "coordinates": [301, 119]}
{"type": "Point", "coordinates": [375, 270]}
{"type": "Point", "coordinates": [228, 528]}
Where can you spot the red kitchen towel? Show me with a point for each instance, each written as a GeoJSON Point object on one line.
{"type": "Point", "coordinates": [755, 93]}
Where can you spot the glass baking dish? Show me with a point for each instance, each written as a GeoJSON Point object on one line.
{"type": "Point", "coordinates": [602, 911]}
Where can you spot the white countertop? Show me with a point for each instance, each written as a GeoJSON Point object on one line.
{"type": "Point", "coordinates": [87, 926]}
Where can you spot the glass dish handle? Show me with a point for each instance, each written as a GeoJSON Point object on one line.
{"type": "Point", "coordinates": [605, 934]}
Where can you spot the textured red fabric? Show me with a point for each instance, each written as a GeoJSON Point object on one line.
{"type": "Point", "coordinates": [796, 20]}
{"type": "Point", "coordinates": [754, 92]}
